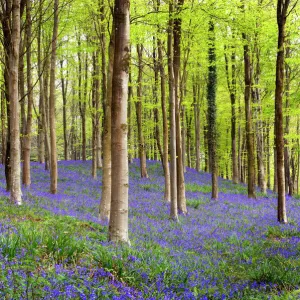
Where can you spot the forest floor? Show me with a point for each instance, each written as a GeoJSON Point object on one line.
{"type": "Point", "coordinates": [53, 247]}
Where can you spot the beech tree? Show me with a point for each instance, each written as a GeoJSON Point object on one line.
{"type": "Point", "coordinates": [53, 153]}
{"type": "Point", "coordinates": [282, 12]}
{"type": "Point", "coordinates": [118, 224]}
{"type": "Point", "coordinates": [212, 110]}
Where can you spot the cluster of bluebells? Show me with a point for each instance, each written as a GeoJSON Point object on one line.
{"type": "Point", "coordinates": [193, 244]}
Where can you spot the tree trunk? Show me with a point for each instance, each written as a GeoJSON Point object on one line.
{"type": "Point", "coordinates": [259, 124]}
{"type": "Point", "coordinates": [118, 225]}
{"type": "Point", "coordinates": [130, 127]}
{"type": "Point", "coordinates": [53, 152]}
{"type": "Point", "coordinates": [95, 112]}
{"type": "Point", "coordinates": [268, 158]}
{"type": "Point", "coordinates": [103, 82]}
{"type": "Point", "coordinates": [82, 102]}
{"type": "Point", "coordinates": [196, 96]}
{"type": "Point", "coordinates": [139, 111]}
{"type": "Point", "coordinates": [64, 96]}
{"type": "Point", "coordinates": [249, 126]}
{"type": "Point", "coordinates": [27, 137]}
{"type": "Point", "coordinates": [287, 156]}
{"type": "Point", "coordinates": [231, 83]}
{"type": "Point", "coordinates": [3, 125]}
{"type": "Point", "coordinates": [46, 114]}
{"type": "Point", "coordinates": [181, 201]}
{"type": "Point", "coordinates": [167, 193]}
{"type": "Point", "coordinates": [212, 110]}
{"type": "Point", "coordinates": [105, 203]}
{"type": "Point", "coordinates": [282, 7]}
{"type": "Point", "coordinates": [42, 117]}
{"type": "Point", "coordinates": [22, 93]}
{"type": "Point", "coordinates": [15, 184]}
{"type": "Point", "coordinates": [172, 104]}
{"type": "Point", "coordinates": [155, 110]}
{"type": "Point", "coordinates": [188, 117]}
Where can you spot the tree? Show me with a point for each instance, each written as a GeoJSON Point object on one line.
{"type": "Point", "coordinates": [212, 110]}
{"type": "Point", "coordinates": [15, 176]}
{"type": "Point", "coordinates": [138, 105]}
{"type": "Point", "coordinates": [118, 224]}
{"type": "Point", "coordinates": [105, 203]}
{"type": "Point", "coordinates": [28, 124]}
{"type": "Point", "coordinates": [248, 113]}
{"type": "Point", "coordinates": [173, 166]}
{"type": "Point", "coordinates": [231, 83]}
{"type": "Point", "coordinates": [282, 12]}
{"type": "Point", "coordinates": [53, 152]}
{"type": "Point", "coordinates": [181, 201]}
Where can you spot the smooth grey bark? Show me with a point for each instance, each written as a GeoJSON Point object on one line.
{"type": "Point", "coordinates": [15, 184]}
{"type": "Point", "coordinates": [118, 224]}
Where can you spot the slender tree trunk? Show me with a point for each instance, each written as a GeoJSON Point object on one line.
{"type": "Point", "coordinates": [196, 96]}
{"type": "Point", "coordinates": [282, 7]}
{"type": "Point", "coordinates": [22, 93]}
{"type": "Point", "coordinates": [3, 125]}
{"type": "Point", "coordinates": [64, 96]}
{"type": "Point", "coordinates": [139, 111]}
{"type": "Point", "coordinates": [27, 137]}
{"type": "Point", "coordinates": [188, 118]}
{"type": "Point", "coordinates": [15, 186]}
{"type": "Point", "coordinates": [155, 110]}
{"type": "Point", "coordinates": [287, 156]}
{"type": "Point", "coordinates": [259, 124]}
{"type": "Point", "coordinates": [172, 104]}
{"type": "Point", "coordinates": [53, 152]}
{"type": "Point", "coordinates": [129, 117]}
{"type": "Point", "coordinates": [118, 225]}
{"type": "Point", "coordinates": [249, 126]}
{"type": "Point", "coordinates": [103, 81]}
{"type": "Point", "coordinates": [231, 83]}
{"type": "Point", "coordinates": [181, 201]}
{"type": "Point", "coordinates": [82, 103]}
{"type": "Point", "coordinates": [268, 158]}
{"type": "Point", "coordinates": [46, 107]}
{"type": "Point", "coordinates": [275, 187]}
{"type": "Point", "coordinates": [105, 204]}
{"type": "Point", "coordinates": [42, 117]}
{"type": "Point", "coordinates": [95, 113]}
{"type": "Point", "coordinates": [167, 193]}
{"type": "Point", "coordinates": [212, 110]}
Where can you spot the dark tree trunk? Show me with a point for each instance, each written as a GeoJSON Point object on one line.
{"type": "Point", "coordinates": [196, 96]}
{"type": "Point", "coordinates": [231, 83]}
{"type": "Point", "coordinates": [212, 110]}
{"type": "Point", "coordinates": [249, 126]}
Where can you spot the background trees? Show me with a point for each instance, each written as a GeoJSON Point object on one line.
{"type": "Point", "coordinates": [169, 85]}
